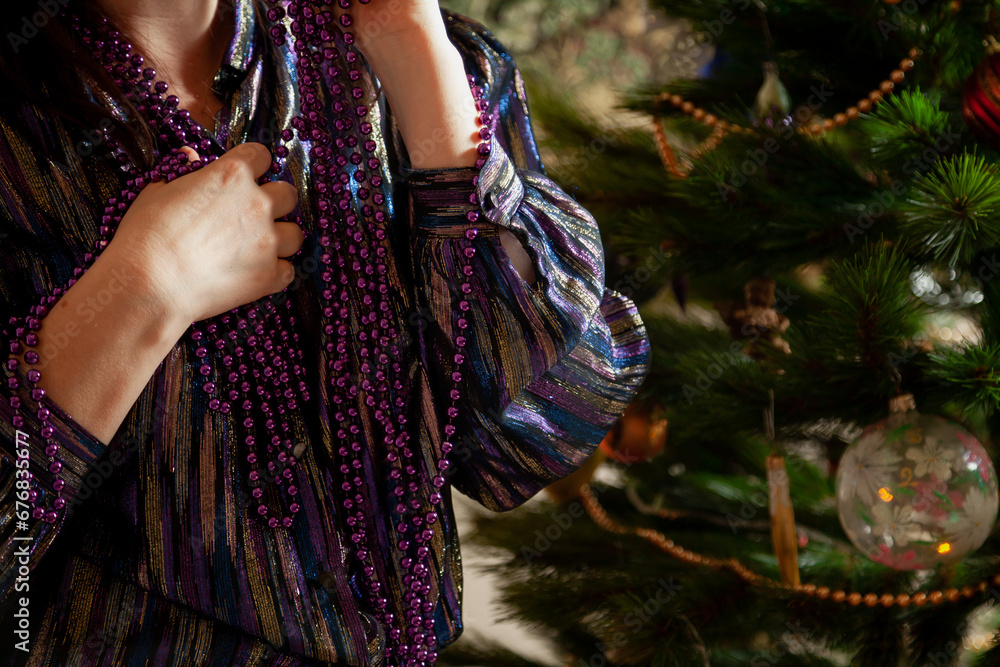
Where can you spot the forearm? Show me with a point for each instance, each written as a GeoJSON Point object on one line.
{"type": "Point", "coordinates": [101, 342]}
{"type": "Point", "coordinates": [426, 86]}
{"type": "Point", "coordinates": [425, 83]}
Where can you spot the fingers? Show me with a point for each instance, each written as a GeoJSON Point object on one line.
{"type": "Point", "coordinates": [283, 197]}
{"type": "Point", "coordinates": [289, 236]}
{"type": "Point", "coordinates": [191, 153]}
{"type": "Point", "coordinates": [256, 156]}
{"type": "Point", "coordinates": [284, 274]}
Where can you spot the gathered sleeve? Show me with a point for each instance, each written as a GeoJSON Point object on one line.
{"type": "Point", "coordinates": [33, 260]}
{"type": "Point", "coordinates": [549, 367]}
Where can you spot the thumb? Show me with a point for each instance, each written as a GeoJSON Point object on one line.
{"type": "Point", "coordinates": [191, 153]}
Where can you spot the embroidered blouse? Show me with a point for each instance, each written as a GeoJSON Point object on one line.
{"type": "Point", "coordinates": [159, 558]}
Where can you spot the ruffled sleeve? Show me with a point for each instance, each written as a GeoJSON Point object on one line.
{"type": "Point", "coordinates": [550, 367]}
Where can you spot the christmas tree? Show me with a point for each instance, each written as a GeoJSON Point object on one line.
{"type": "Point", "coordinates": [811, 227]}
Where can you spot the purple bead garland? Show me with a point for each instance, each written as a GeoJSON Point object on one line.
{"type": "Point", "coordinates": [259, 353]}
{"type": "Point", "coordinates": [127, 68]}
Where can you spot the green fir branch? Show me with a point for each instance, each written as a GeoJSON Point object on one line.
{"type": "Point", "coordinates": [872, 313]}
{"type": "Point", "coordinates": [909, 132]}
{"type": "Point", "coordinates": [969, 376]}
{"type": "Point", "coordinates": [953, 210]}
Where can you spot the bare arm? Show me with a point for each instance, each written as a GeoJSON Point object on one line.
{"type": "Point", "coordinates": [185, 251]}
{"type": "Point", "coordinates": [423, 78]}
{"type": "Point", "coordinates": [425, 83]}
{"type": "Point", "coordinates": [102, 341]}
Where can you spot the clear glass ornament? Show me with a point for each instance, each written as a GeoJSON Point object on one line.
{"type": "Point", "coordinates": [914, 490]}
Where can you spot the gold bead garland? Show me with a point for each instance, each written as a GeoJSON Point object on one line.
{"type": "Point", "coordinates": [669, 158]}
{"type": "Point", "coordinates": [680, 170]}
{"type": "Point", "coordinates": [600, 517]}
{"type": "Point", "coordinates": [721, 127]}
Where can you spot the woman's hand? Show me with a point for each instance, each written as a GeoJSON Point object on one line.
{"type": "Point", "coordinates": [208, 242]}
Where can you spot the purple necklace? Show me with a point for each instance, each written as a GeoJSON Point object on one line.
{"type": "Point", "coordinates": [250, 356]}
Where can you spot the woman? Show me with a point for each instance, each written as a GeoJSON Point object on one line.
{"type": "Point", "coordinates": [388, 299]}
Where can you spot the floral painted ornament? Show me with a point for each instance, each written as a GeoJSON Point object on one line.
{"type": "Point", "coordinates": [914, 490]}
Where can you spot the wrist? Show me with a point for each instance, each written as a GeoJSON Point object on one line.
{"type": "Point", "coordinates": [143, 292]}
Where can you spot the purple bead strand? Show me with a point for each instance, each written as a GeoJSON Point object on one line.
{"type": "Point", "coordinates": [251, 358]}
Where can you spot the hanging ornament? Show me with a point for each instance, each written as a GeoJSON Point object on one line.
{"type": "Point", "coordinates": [916, 490]}
{"type": "Point", "coordinates": [638, 436]}
{"type": "Point", "coordinates": [773, 101]}
{"type": "Point", "coordinates": [784, 539]}
{"type": "Point", "coordinates": [981, 96]}
{"type": "Point", "coordinates": [783, 533]}
{"type": "Point", "coordinates": [756, 320]}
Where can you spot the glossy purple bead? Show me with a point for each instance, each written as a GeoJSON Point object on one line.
{"type": "Point", "coordinates": [270, 383]}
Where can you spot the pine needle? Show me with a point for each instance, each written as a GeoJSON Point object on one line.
{"type": "Point", "coordinates": [953, 210]}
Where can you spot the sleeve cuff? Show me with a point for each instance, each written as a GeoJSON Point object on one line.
{"type": "Point", "coordinates": [78, 449]}
{"type": "Point", "coordinates": [442, 199]}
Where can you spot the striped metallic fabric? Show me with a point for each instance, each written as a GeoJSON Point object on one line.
{"type": "Point", "coordinates": [160, 559]}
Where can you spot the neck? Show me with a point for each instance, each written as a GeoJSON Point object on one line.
{"type": "Point", "coordinates": [184, 39]}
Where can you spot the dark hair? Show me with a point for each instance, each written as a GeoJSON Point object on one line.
{"type": "Point", "coordinates": [43, 60]}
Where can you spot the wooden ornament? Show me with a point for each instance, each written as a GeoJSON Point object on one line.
{"type": "Point", "coordinates": [783, 537]}
{"type": "Point", "coordinates": [756, 320]}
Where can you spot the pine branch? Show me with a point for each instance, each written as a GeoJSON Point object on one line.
{"type": "Point", "coordinates": [909, 133]}
{"type": "Point", "coordinates": [480, 652]}
{"type": "Point", "coordinates": [969, 377]}
{"type": "Point", "coordinates": [953, 209]}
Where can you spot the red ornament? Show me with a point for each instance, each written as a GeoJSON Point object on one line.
{"type": "Point", "coordinates": [981, 99]}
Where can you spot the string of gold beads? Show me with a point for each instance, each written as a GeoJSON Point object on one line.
{"type": "Point", "coordinates": [600, 517]}
{"type": "Point", "coordinates": [670, 161]}
{"type": "Point", "coordinates": [721, 127]}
